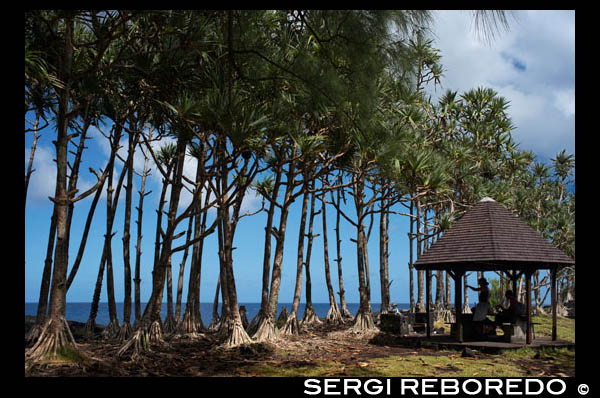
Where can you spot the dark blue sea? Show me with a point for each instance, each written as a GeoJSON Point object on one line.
{"type": "Point", "coordinates": [81, 311]}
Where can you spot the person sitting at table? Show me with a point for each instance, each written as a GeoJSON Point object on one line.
{"type": "Point", "coordinates": [510, 313]}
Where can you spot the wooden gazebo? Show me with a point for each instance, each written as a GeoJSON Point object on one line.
{"type": "Point", "coordinates": [488, 237]}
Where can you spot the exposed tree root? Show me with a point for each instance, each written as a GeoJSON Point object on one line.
{"type": "Point", "coordinates": [334, 316]}
{"type": "Point", "coordinates": [137, 344]}
{"type": "Point", "coordinates": [125, 332]}
{"type": "Point", "coordinates": [112, 330]}
{"type": "Point", "coordinates": [170, 324]}
{"type": "Point", "coordinates": [291, 327]}
{"type": "Point", "coordinates": [155, 333]}
{"type": "Point", "coordinates": [444, 314]}
{"type": "Point", "coordinates": [189, 326]}
{"type": "Point", "coordinates": [90, 327]}
{"type": "Point", "coordinates": [363, 323]}
{"type": "Point", "coordinates": [234, 334]}
{"type": "Point", "coordinates": [141, 340]}
{"type": "Point", "coordinates": [55, 341]}
{"type": "Point", "coordinates": [215, 324]}
{"type": "Point", "coordinates": [310, 318]}
{"type": "Point", "coordinates": [244, 317]}
{"type": "Point", "coordinates": [346, 315]}
{"type": "Point", "coordinates": [266, 330]}
{"type": "Point", "coordinates": [33, 334]}
{"type": "Point", "coordinates": [254, 323]}
{"type": "Point", "coordinates": [466, 309]}
{"type": "Point", "coordinates": [283, 316]}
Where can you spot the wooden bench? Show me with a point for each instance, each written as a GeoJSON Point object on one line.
{"type": "Point", "coordinates": [517, 332]}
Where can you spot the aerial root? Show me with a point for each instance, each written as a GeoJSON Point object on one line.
{"type": "Point", "coordinates": [112, 330]}
{"type": "Point", "coordinates": [235, 334]}
{"type": "Point", "coordinates": [334, 316]}
{"type": "Point", "coordinates": [170, 324]}
{"type": "Point", "coordinates": [53, 340]}
{"type": "Point", "coordinates": [363, 323]}
{"type": "Point", "coordinates": [141, 340]}
{"type": "Point", "coordinates": [310, 318]}
{"type": "Point", "coordinates": [34, 333]}
{"type": "Point", "coordinates": [138, 343]}
{"type": "Point", "coordinates": [125, 332]}
{"type": "Point", "coordinates": [266, 330]}
{"type": "Point", "coordinates": [291, 327]}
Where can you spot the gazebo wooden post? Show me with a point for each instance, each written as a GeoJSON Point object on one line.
{"type": "Point", "coordinates": [427, 301]}
{"type": "Point", "coordinates": [529, 335]}
{"type": "Point", "coordinates": [553, 297]}
{"type": "Point", "coordinates": [458, 274]}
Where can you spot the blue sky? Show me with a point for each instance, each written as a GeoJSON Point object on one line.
{"type": "Point", "coordinates": [532, 65]}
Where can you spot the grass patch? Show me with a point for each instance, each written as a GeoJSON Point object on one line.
{"type": "Point", "coordinates": [565, 327]}
{"type": "Point", "coordinates": [517, 363]}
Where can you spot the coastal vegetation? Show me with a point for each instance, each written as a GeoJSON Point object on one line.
{"type": "Point", "coordinates": [327, 108]}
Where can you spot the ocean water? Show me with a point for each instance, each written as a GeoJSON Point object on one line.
{"type": "Point", "coordinates": [81, 311]}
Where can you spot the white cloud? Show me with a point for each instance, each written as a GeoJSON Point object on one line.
{"type": "Point", "coordinates": [531, 65]}
{"type": "Point", "coordinates": [564, 101]}
{"type": "Point", "coordinates": [42, 183]}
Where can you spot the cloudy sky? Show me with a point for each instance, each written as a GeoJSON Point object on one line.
{"type": "Point", "coordinates": [532, 66]}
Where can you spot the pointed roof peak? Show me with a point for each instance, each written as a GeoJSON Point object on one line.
{"type": "Point", "coordinates": [490, 237]}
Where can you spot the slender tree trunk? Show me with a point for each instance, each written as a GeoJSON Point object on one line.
{"type": "Point", "coordinates": [214, 324]}
{"type": "Point", "coordinates": [84, 236]}
{"type": "Point", "coordinates": [46, 274]}
{"type": "Point", "coordinates": [363, 320]}
{"type": "Point", "coordinates": [153, 308]}
{"type": "Point", "coordinates": [420, 273]}
{"type": "Point", "coordinates": [343, 308]}
{"type": "Point", "coordinates": [466, 306]}
{"type": "Point", "coordinates": [182, 270]}
{"type": "Point", "coordinates": [30, 170]}
{"type": "Point", "coordinates": [292, 326]}
{"type": "Point", "coordinates": [266, 328]}
{"type": "Point", "coordinates": [411, 237]}
{"type": "Point", "coordinates": [126, 328]}
{"type": "Point", "coordinates": [383, 254]}
{"type": "Point", "coordinates": [334, 316]}
{"type": "Point", "coordinates": [56, 335]}
{"type": "Point", "coordinates": [138, 247]}
{"type": "Point", "coordinates": [310, 317]}
{"type": "Point", "coordinates": [264, 300]}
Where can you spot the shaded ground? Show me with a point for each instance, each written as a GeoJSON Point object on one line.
{"type": "Point", "coordinates": [323, 351]}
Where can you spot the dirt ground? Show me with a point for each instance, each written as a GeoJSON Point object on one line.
{"type": "Point", "coordinates": [203, 357]}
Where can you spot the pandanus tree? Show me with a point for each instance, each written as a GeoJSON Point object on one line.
{"type": "Point", "coordinates": [65, 50]}
{"type": "Point", "coordinates": [308, 145]}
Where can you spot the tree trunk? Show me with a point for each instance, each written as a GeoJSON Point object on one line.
{"type": "Point", "coordinates": [383, 254]}
{"type": "Point", "coordinates": [310, 317]}
{"type": "Point", "coordinates": [411, 259]}
{"type": "Point", "coordinates": [334, 316]}
{"type": "Point", "coordinates": [35, 331]}
{"type": "Point", "coordinates": [420, 273]}
{"type": "Point", "coordinates": [363, 322]}
{"type": "Point", "coordinates": [343, 308]}
{"type": "Point", "coordinates": [267, 330]}
{"type": "Point", "coordinates": [126, 328]}
{"type": "Point", "coordinates": [292, 326]}
{"type": "Point", "coordinates": [264, 300]}
{"type": "Point", "coordinates": [138, 247]}
{"type": "Point", "coordinates": [56, 337]}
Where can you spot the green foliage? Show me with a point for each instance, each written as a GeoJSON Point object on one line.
{"type": "Point", "coordinates": [496, 296]}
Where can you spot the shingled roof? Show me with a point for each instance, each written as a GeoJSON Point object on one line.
{"type": "Point", "coordinates": [489, 237]}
